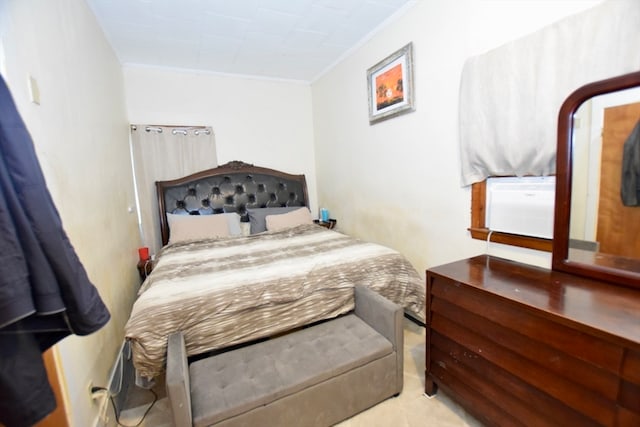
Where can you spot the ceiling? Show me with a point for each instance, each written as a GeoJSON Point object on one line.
{"type": "Point", "coordinates": [280, 39]}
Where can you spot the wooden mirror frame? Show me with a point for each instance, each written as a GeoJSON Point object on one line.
{"type": "Point", "coordinates": [611, 268]}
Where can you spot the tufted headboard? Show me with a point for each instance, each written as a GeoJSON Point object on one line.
{"type": "Point", "coordinates": [232, 187]}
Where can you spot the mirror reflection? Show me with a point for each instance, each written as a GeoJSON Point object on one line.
{"type": "Point", "coordinates": [605, 215]}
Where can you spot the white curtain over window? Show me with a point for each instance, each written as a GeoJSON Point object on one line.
{"type": "Point", "coordinates": [162, 153]}
{"type": "Point", "coordinates": [510, 97]}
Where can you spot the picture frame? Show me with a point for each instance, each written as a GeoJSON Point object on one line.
{"type": "Point", "coordinates": [390, 85]}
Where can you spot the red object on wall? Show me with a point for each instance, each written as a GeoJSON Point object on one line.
{"type": "Point", "coordinates": [144, 253]}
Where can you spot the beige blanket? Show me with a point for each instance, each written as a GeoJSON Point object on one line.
{"type": "Point", "coordinates": [229, 291]}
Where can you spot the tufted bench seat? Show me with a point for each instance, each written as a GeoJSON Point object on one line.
{"type": "Point", "coordinates": [316, 376]}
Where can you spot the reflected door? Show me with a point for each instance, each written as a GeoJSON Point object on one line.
{"type": "Point", "coordinates": [58, 418]}
{"type": "Point", "coordinates": [618, 228]}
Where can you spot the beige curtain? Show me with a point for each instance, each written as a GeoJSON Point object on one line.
{"type": "Point", "coordinates": [161, 153]}
{"type": "Point", "coordinates": [510, 97]}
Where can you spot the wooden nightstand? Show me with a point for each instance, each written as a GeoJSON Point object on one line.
{"type": "Point", "coordinates": [145, 268]}
{"type": "Point", "coordinates": [327, 224]}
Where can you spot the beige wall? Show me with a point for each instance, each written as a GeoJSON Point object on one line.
{"type": "Point", "coordinates": [80, 132]}
{"type": "Point", "coordinates": [264, 122]}
{"type": "Point", "coordinates": [399, 180]}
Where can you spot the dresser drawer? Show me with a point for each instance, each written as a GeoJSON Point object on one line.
{"type": "Point", "coordinates": [630, 370]}
{"type": "Point", "coordinates": [452, 363]}
{"type": "Point", "coordinates": [508, 343]}
{"type": "Point", "coordinates": [534, 326]}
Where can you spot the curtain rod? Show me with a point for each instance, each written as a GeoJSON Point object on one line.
{"type": "Point", "coordinates": [175, 130]}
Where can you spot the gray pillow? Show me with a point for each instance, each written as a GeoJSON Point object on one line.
{"type": "Point", "coordinates": [257, 217]}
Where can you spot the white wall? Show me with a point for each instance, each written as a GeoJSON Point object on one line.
{"type": "Point", "coordinates": [80, 132]}
{"type": "Point", "coordinates": [399, 180]}
{"type": "Point", "coordinates": [264, 122]}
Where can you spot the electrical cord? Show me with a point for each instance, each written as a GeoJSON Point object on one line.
{"type": "Point", "coordinates": [115, 410]}
{"type": "Point", "coordinates": [146, 265]}
{"type": "Point", "coordinates": [489, 240]}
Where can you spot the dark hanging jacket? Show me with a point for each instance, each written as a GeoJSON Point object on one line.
{"type": "Point", "coordinates": [630, 184]}
{"type": "Point", "coordinates": [45, 293]}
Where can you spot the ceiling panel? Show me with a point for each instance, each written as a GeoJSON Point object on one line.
{"type": "Point", "coordinates": [284, 39]}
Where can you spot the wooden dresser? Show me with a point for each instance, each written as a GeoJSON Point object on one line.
{"type": "Point", "coordinates": [521, 345]}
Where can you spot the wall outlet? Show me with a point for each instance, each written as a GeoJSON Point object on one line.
{"type": "Point", "coordinates": [34, 90]}
{"type": "Point", "coordinates": [97, 393]}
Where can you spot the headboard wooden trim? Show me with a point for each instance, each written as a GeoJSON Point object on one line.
{"type": "Point", "coordinates": [232, 187]}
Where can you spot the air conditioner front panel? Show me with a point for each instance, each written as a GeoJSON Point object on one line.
{"type": "Point", "coordinates": [522, 206]}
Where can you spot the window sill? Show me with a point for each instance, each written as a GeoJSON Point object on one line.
{"type": "Point", "coordinates": [480, 232]}
{"type": "Point", "coordinates": [513, 239]}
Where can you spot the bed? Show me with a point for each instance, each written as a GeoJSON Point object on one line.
{"type": "Point", "coordinates": [265, 269]}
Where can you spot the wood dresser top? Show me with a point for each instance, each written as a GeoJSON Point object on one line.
{"type": "Point", "coordinates": [605, 309]}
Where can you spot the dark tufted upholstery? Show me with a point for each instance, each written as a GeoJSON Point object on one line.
{"type": "Point", "coordinates": [233, 193]}
{"type": "Point", "coordinates": [232, 187]}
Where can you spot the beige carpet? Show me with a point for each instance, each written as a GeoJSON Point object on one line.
{"type": "Point", "coordinates": [411, 408]}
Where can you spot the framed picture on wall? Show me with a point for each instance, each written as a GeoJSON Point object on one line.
{"type": "Point", "coordinates": [390, 85]}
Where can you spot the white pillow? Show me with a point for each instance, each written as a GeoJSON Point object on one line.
{"type": "Point", "coordinates": [289, 219]}
{"type": "Point", "coordinates": [194, 227]}
{"type": "Point", "coordinates": [233, 219]}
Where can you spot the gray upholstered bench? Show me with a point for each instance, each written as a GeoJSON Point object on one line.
{"type": "Point", "coordinates": [316, 376]}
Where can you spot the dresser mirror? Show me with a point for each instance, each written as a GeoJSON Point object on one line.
{"type": "Point", "coordinates": [596, 234]}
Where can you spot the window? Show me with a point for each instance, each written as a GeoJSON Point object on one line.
{"type": "Point", "coordinates": [480, 231]}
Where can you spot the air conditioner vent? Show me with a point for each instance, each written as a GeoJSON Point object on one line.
{"type": "Point", "coordinates": [522, 206]}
